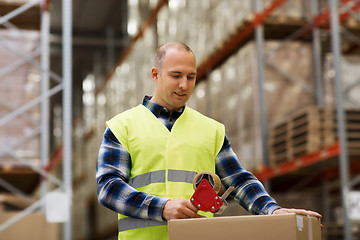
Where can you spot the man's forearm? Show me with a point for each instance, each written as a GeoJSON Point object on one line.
{"type": "Point", "coordinates": [249, 191]}
{"type": "Point", "coordinates": [122, 198]}
{"type": "Point", "coordinates": [112, 173]}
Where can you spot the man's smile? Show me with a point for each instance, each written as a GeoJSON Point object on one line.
{"type": "Point", "coordinates": [180, 94]}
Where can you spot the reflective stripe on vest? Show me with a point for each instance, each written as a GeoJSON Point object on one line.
{"type": "Point", "coordinates": [142, 180]}
{"type": "Point", "coordinates": [147, 178]}
{"type": "Point", "coordinates": [130, 223]}
{"type": "Point", "coordinates": [181, 176]}
{"type": "Point", "coordinates": [164, 163]}
{"type": "Point", "coordinates": [159, 176]}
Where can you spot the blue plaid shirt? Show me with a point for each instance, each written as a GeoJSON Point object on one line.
{"type": "Point", "coordinates": [113, 171]}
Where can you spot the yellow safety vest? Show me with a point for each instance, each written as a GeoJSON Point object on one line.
{"type": "Point", "coordinates": [164, 163]}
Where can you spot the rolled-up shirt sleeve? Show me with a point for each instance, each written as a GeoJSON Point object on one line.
{"type": "Point", "coordinates": [249, 192]}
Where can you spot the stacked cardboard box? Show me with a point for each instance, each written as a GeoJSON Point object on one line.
{"type": "Point", "coordinates": [32, 227]}
{"type": "Point", "coordinates": [279, 227]}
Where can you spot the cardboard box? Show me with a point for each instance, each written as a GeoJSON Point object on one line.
{"type": "Point", "coordinates": [259, 227]}
{"type": "Point", "coordinates": [31, 227]}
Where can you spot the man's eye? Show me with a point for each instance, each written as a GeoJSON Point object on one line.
{"type": "Point", "coordinates": [176, 76]}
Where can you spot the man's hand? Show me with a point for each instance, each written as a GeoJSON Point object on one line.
{"type": "Point", "coordinates": [179, 209]}
{"type": "Point", "coordinates": [299, 211]}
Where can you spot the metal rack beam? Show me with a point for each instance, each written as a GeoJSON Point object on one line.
{"type": "Point", "coordinates": [63, 84]}
{"type": "Point", "coordinates": [67, 110]}
{"type": "Point", "coordinates": [259, 38]}
{"type": "Point", "coordinates": [344, 156]}
{"type": "Point", "coordinates": [269, 172]}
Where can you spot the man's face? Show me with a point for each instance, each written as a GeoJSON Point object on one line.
{"type": "Point", "coordinates": [176, 81]}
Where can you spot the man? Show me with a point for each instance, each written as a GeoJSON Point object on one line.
{"type": "Point", "coordinates": [150, 154]}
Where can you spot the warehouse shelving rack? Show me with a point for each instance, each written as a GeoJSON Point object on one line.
{"type": "Point", "coordinates": [254, 29]}
{"type": "Point", "coordinates": [307, 30]}
{"type": "Point", "coordinates": [21, 181]}
{"type": "Point", "coordinates": [332, 17]}
{"type": "Point", "coordinates": [261, 24]}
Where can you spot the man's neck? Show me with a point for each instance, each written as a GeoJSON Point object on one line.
{"type": "Point", "coordinates": [152, 99]}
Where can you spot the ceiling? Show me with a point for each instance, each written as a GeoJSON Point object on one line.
{"type": "Point", "coordinates": [92, 21]}
{"type": "Point", "coordinates": [99, 37]}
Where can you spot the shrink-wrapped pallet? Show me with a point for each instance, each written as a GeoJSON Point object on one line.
{"type": "Point", "coordinates": [350, 81]}
{"type": "Point", "coordinates": [295, 9]}
{"type": "Point", "coordinates": [232, 93]}
{"type": "Point", "coordinates": [289, 81]}
{"type": "Point", "coordinates": [17, 88]}
{"type": "Point", "coordinates": [210, 21]}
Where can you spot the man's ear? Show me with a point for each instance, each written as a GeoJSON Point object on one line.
{"type": "Point", "coordinates": [154, 73]}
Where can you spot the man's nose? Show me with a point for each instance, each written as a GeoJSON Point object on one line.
{"type": "Point", "coordinates": [183, 83]}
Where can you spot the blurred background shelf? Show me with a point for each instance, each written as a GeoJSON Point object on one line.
{"type": "Point", "coordinates": [113, 43]}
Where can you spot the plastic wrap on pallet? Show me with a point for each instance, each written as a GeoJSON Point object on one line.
{"type": "Point", "coordinates": [132, 79]}
{"type": "Point", "coordinates": [288, 77]}
{"type": "Point", "coordinates": [230, 99]}
{"type": "Point", "coordinates": [17, 88]}
{"type": "Point", "coordinates": [297, 9]}
{"type": "Point", "coordinates": [210, 21]}
{"type": "Point", "coordinates": [231, 93]}
{"type": "Point", "coordinates": [89, 102]}
{"type": "Point", "coordinates": [227, 96]}
{"type": "Point", "coordinates": [215, 91]}
{"type": "Point", "coordinates": [350, 72]}
{"type": "Point", "coordinates": [293, 8]}
{"type": "Point", "coordinates": [198, 98]}
{"type": "Point", "coordinates": [248, 114]}
{"type": "Point", "coordinates": [162, 25]}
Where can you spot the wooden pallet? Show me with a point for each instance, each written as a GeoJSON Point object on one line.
{"type": "Point", "coordinates": [310, 129]}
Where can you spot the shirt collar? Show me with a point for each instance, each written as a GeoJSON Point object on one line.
{"type": "Point", "coordinates": [159, 110]}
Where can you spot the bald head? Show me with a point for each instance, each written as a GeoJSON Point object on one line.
{"type": "Point", "coordinates": [160, 53]}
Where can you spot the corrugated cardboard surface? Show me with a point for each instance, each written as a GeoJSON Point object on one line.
{"type": "Point", "coordinates": [277, 227]}
{"type": "Point", "coordinates": [31, 227]}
